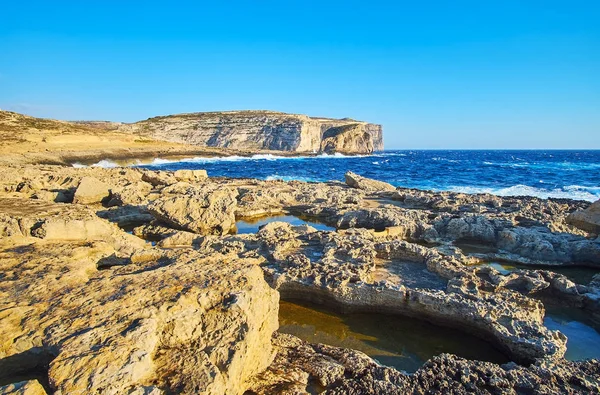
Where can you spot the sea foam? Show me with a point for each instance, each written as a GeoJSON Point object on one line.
{"type": "Point", "coordinates": [576, 192]}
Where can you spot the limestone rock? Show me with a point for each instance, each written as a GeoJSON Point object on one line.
{"type": "Point", "coordinates": [179, 239]}
{"type": "Point", "coordinates": [367, 184]}
{"type": "Point", "coordinates": [31, 387]}
{"type": "Point", "coordinates": [53, 221]}
{"type": "Point", "coordinates": [350, 139]}
{"type": "Point", "coordinates": [179, 322]}
{"type": "Point", "coordinates": [299, 366]}
{"type": "Point", "coordinates": [51, 196]}
{"type": "Point", "coordinates": [190, 175]}
{"type": "Point", "coordinates": [256, 130]}
{"type": "Point", "coordinates": [200, 210]}
{"type": "Point", "coordinates": [588, 219]}
{"type": "Point", "coordinates": [157, 178]}
{"type": "Point", "coordinates": [91, 190]}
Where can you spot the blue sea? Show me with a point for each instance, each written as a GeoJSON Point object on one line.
{"type": "Point", "coordinates": [556, 174]}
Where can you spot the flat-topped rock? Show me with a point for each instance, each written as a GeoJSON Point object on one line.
{"type": "Point", "coordinates": [367, 184]}
{"type": "Point", "coordinates": [91, 190]}
{"type": "Point", "coordinates": [256, 130]}
{"type": "Point", "coordinates": [206, 210]}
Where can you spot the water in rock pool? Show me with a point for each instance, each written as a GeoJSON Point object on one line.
{"type": "Point", "coordinates": [252, 225]}
{"type": "Point", "coordinates": [401, 342]}
{"type": "Point", "coordinates": [583, 335]}
{"type": "Point", "coordinates": [559, 174]}
{"type": "Point", "coordinates": [577, 274]}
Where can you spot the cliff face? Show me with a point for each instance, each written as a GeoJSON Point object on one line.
{"type": "Point", "coordinates": [268, 130]}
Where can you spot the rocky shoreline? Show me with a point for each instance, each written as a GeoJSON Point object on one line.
{"type": "Point", "coordinates": [135, 281]}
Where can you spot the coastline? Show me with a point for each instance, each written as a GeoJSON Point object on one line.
{"type": "Point", "coordinates": [137, 280]}
{"type": "Point", "coordinates": [91, 233]}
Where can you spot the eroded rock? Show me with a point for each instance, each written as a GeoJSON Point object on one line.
{"type": "Point", "coordinates": [91, 190]}
{"type": "Point", "coordinates": [206, 210]}
{"type": "Point", "coordinates": [588, 219]}
{"type": "Point", "coordinates": [367, 184]}
{"type": "Point", "coordinates": [178, 322]}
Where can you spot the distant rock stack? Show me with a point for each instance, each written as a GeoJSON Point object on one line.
{"type": "Point", "coordinates": [263, 130]}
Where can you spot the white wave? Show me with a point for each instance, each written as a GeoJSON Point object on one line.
{"type": "Point", "coordinates": [256, 157]}
{"type": "Point", "coordinates": [104, 163]}
{"type": "Point", "coordinates": [590, 194]}
{"type": "Point", "coordinates": [159, 161]}
{"type": "Point", "coordinates": [563, 166]}
{"type": "Point", "coordinates": [594, 190]}
{"type": "Point", "coordinates": [290, 178]}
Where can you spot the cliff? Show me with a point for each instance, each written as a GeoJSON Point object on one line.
{"type": "Point", "coordinates": [26, 139]}
{"type": "Point", "coordinates": [263, 130]}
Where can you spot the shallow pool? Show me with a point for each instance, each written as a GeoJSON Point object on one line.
{"type": "Point", "coordinates": [583, 337]}
{"type": "Point", "coordinates": [401, 342]}
{"type": "Point", "coordinates": [252, 225]}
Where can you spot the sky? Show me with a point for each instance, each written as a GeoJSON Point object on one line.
{"type": "Point", "coordinates": [436, 74]}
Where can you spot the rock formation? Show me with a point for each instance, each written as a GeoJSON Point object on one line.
{"type": "Point", "coordinates": [367, 184]}
{"type": "Point", "coordinates": [317, 368]}
{"type": "Point", "coordinates": [267, 130]}
{"type": "Point", "coordinates": [588, 219]}
{"type": "Point", "coordinates": [142, 287]}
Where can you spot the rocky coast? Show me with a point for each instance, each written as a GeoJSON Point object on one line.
{"type": "Point", "coordinates": [134, 281]}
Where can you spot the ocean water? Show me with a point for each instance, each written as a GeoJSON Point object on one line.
{"type": "Point", "coordinates": [556, 174]}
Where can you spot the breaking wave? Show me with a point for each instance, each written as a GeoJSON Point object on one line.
{"type": "Point", "coordinates": [552, 174]}
{"type": "Point", "coordinates": [576, 192]}
{"type": "Point", "coordinates": [104, 163]}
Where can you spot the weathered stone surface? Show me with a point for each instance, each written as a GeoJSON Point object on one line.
{"type": "Point", "coordinates": [91, 190]}
{"type": "Point", "coordinates": [190, 175]}
{"type": "Point", "coordinates": [178, 322]}
{"type": "Point", "coordinates": [31, 387]}
{"type": "Point", "coordinates": [201, 210]}
{"type": "Point", "coordinates": [588, 219]}
{"type": "Point", "coordinates": [301, 368]}
{"type": "Point", "coordinates": [157, 178]}
{"type": "Point", "coordinates": [339, 269]}
{"type": "Point", "coordinates": [263, 130]}
{"type": "Point", "coordinates": [52, 221]}
{"type": "Point", "coordinates": [352, 139]}
{"type": "Point", "coordinates": [109, 311]}
{"type": "Point", "coordinates": [367, 184]}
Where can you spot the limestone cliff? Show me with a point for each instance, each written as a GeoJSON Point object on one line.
{"type": "Point", "coordinates": [256, 130]}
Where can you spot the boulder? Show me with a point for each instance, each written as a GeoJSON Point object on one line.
{"type": "Point", "coordinates": [367, 184]}
{"type": "Point", "coordinates": [199, 210]}
{"type": "Point", "coordinates": [91, 190]}
{"type": "Point", "coordinates": [31, 387]}
{"type": "Point", "coordinates": [178, 322]}
{"type": "Point", "coordinates": [51, 196]}
{"type": "Point", "coordinates": [588, 219]}
{"type": "Point", "coordinates": [158, 178]}
{"type": "Point", "coordinates": [190, 175]}
{"type": "Point", "coordinates": [179, 239]}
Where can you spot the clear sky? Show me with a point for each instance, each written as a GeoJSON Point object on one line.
{"type": "Point", "coordinates": [436, 74]}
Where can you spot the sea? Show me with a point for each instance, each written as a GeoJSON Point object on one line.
{"type": "Point", "coordinates": [545, 174]}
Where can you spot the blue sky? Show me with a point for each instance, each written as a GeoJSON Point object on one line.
{"type": "Point", "coordinates": [436, 74]}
